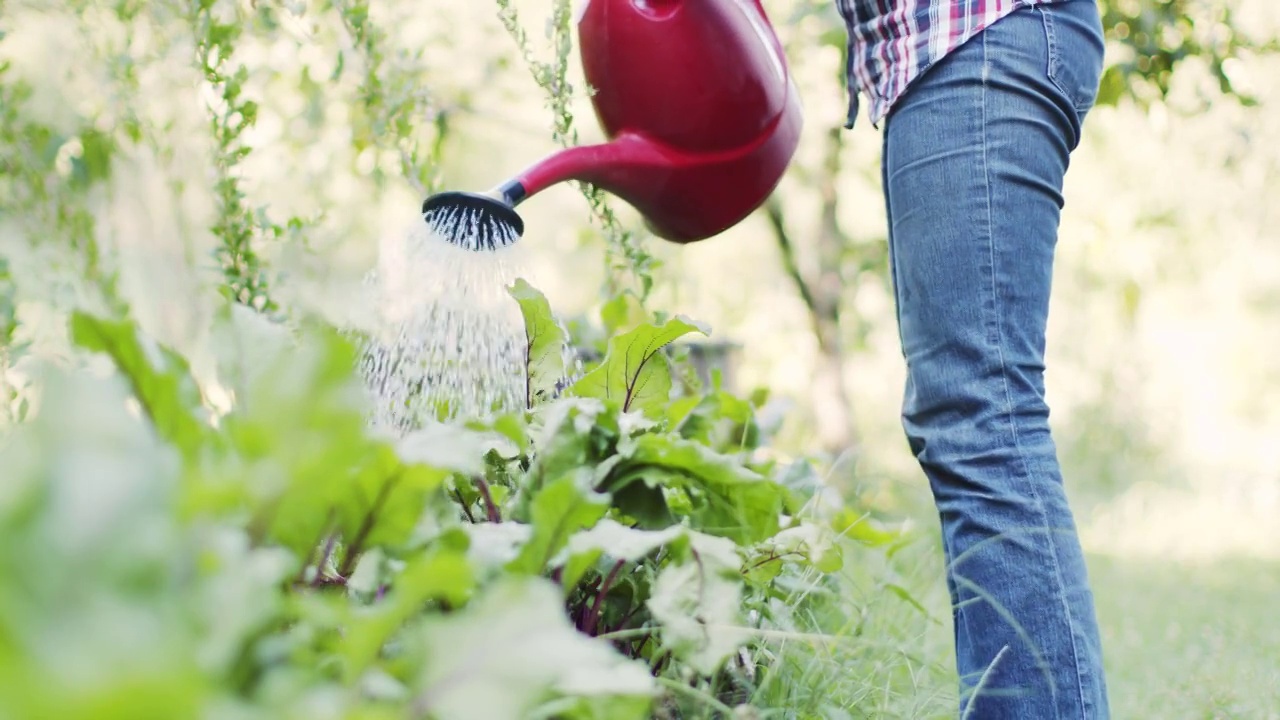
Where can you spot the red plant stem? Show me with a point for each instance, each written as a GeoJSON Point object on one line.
{"type": "Point", "coordinates": [774, 556]}
{"type": "Point", "coordinates": [311, 556]}
{"type": "Point", "coordinates": [324, 557]}
{"type": "Point", "coordinates": [490, 509]}
{"type": "Point", "coordinates": [593, 618]}
{"type": "Point", "coordinates": [366, 526]}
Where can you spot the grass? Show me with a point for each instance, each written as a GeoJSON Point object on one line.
{"type": "Point", "coordinates": [880, 646]}
{"type": "Point", "coordinates": [1182, 642]}
{"type": "Point", "coordinates": [1190, 642]}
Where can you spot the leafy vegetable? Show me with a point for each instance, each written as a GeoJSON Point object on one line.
{"type": "Point", "coordinates": [281, 555]}
{"type": "Point", "coordinates": [726, 498]}
{"type": "Point", "coordinates": [635, 373]}
{"type": "Point", "coordinates": [698, 601]}
{"type": "Point", "coordinates": [545, 343]}
{"type": "Point", "coordinates": [160, 377]}
{"type": "Point", "coordinates": [615, 540]}
{"type": "Point", "coordinates": [560, 509]}
{"type": "Point", "coordinates": [513, 647]}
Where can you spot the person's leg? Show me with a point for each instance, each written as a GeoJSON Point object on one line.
{"type": "Point", "coordinates": [974, 161]}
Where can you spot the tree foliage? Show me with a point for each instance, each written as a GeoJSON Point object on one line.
{"type": "Point", "coordinates": [1149, 41]}
{"type": "Point", "coordinates": [1155, 37]}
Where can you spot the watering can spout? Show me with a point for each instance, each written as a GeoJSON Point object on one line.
{"type": "Point", "coordinates": [616, 166]}
{"type": "Point", "coordinates": [697, 106]}
{"type": "Point", "coordinates": [683, 197]}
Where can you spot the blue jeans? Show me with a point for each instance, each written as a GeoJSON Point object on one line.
{"type": "Point", "coordinates": [974, 159]}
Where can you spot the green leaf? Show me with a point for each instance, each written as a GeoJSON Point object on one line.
{"type": "Point", "coordinates": [246, 344]}
{"type": "Point", "coordinates": [859, 527]}
{"type": "Point", "coordinates": [595, 708]}
{"type": "Point", "coordinates": [907, 597]}
{"type": "Point", "coordinates": [240, 595]}
{"type": "Point", "coordinates": [814, 544]}
{"type": "Point", "coordinates": [511, 648]}
{"type": "Point", "coordinates": [697, 602]}
{"type": "Point", "coordinates": [89, 490]}
{"type": "Point", "coordinates": [385, 501]}
{"type": "Point", "coordinates": [157, 692]}
{"type": "Point", "coordinates": [495, 545]}
{"type": "Point", "coordinates": [622, 310]}
{"type": "Point", "coordinates": [1112, 87]}
{"type": "Point", "coordinates": [303, 459]}
{"type": "Point", "coordinates": [559, 510]}
{"type": "Point", "coordinates": [8, 306]}
{"type": "Point", "coordinates": [452, 447]}
{"type": "Point", "coordinates": [640, 496]}
{"type": "Point", "coordinates": [544, 344]}
{"type": "Point", "coordinates": [441, 574]}
{"type": "Point", "coordinates": [635, 373]}
{"type": "Point", "coordinates": [109, 616]}
{"type": "Point", "coordinates": [726, 497]}
{"type": "Point", "coordinates": [718, 420]}
{"type": "Point", "coordinates": [693, 457]}
{"type": "Point", "coordinates": [94, 161]}
{"type": "Point", "coordinates": [613, 539]}
{"type": "Point", "coordinates": [568, 432]}
{"type": "Point", "coordinates": [513, 428]}
{"type": "Point", "coordinates": [159, 378]}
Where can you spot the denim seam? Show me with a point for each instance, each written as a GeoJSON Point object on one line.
{"type": "Point", "coordinates": [1054, 65]}
{"type": "Point", "coordinates": [894, 279]}
{"type": "Point", "coordinates": [1051, 41]}
{"type": "Point", "coordinates": [1051, 44]}
{"type": "Point", "coordinates": [982, 136]}
{"type": "Point", "coordinates": [1008, 397]}
{"type": "Point", "coordinates": [993, 334]}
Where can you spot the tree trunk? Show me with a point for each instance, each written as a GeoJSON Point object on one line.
{"type": "Point", "coordinates": [822, 294]}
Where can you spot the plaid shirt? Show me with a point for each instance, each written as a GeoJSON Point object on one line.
{"type": "Point", "coordinates": [892, 42]}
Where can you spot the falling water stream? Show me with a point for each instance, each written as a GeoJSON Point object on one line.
{"type": "Point", "coordinates": [449, 341]}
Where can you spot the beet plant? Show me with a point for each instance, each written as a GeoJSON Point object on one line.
{"type": "Point", "coordinates": [607, 552]}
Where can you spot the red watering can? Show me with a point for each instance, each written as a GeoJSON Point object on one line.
{"type": "Point", "coordinates": [699, 110]}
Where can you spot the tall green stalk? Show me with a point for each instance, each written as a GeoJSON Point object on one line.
{"type": "Point", "coordinates": [244, 272]}
{"type": "Point", "coordinates": [625, 257]}
{"type": "Point", "coordinates": [394, 99]}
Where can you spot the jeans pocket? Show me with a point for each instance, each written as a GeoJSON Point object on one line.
{"type": "Point", "coordinates": [1073, 29]}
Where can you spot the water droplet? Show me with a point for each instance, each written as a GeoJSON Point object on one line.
{"type": "Point", "coordinates": [449, 341]}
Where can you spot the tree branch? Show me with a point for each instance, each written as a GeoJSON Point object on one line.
{"type": "Point", "coordinates": [823, 294]}
{"type": "Point", "coordinates": [777, 221]}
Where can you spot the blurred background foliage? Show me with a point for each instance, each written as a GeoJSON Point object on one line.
{"type": "Point", "coordinates": [152, 150]}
